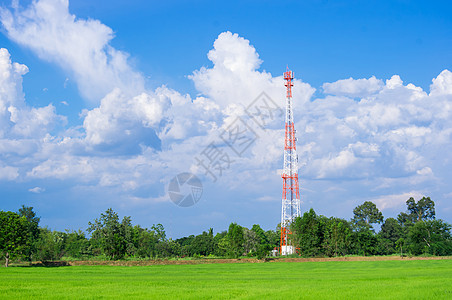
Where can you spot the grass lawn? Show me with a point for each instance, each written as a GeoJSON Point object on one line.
{"type": "Point", "coordinates": [422, 279]}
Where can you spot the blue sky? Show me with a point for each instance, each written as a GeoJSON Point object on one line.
{"type": "Point", "coordinates": [103, 102]}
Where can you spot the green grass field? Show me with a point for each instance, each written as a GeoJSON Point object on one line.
{"type": "Point", "coordinates": [422, 279]}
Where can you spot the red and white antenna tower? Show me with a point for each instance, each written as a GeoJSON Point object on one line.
{"type": "Point", "coordinates": [291, 193]}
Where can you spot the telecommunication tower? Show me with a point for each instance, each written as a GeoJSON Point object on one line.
{"type": "Point", "coordinates": [291, 193]}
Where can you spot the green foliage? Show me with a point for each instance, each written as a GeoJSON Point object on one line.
{"type": "Point", "coordinates": [223, 246]}
{"type": "Point", "coordinates": [76, 244]}
{"type": "Point", "coordinates": [416, 231]}
{"type": "Point", "coordinates": [32, 230]}
{"type": "Point", "coordinates": [15, 239]}
{"type": "Point", "coordinates": [264, 243]}
{"type": "Point", "coordinates": [203, 244]}
{"type": "Point", "coordinates": [159, 232]}
{"type": "Point", "coordinates": [251, 242]}
{"type": "Point", "coordinates": [337, 237]}
{"type": "Point", "coordinates": [114, 238]}
{"type": "Point", "coordinates": [365, 215]}
{"type": "Point", "coordinates": [430, 237]}
{"type": "Point", "coordinates": [167, 248]}
{"type": "Point", "coordinates": [390, 232]}
{"type": "Point", "coordinates": [400, 243]}
{"type": "Point", "coordinates": [263, 250]}
{"type": "Point", "coordinates": [260, 233]}
{"type": "Point", "coordinates": [145, 242]}
{"type": "Point", "coordinates": [308, 233]}
{"type": "Point", "coordinates": [236, 240]}
{"type": "Point", "coordinates": [364, 242]}
{"type": "Point", "coordinates": [51, 245]}
{"type": "Point", "coordinates": [273, 237]}
{"type": "Point", "coordinates": [422, 210]}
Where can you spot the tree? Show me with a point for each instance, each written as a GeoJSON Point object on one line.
{"type": "Point", "coordinates": [30, 215]}
{"type": "Point", "coordinates": [222, 244]}
{"type": "Point", "coordinates": [274, 237]}
{"type": "Point", "coordinates": [186, 245]}
{"type": "Point", "coordinates": [126, 231]}
{"type": "Point", "coordinates": [308, 233]}
{"type": "Point", "coordinates": [167, 248]}
{"type": "Point", "coordinates": [251, 241]}
{"type": "Point", "coordinates": [364, 242]}
{"type": "Point", "coordinates": [110, 234]}
{"type": "Point", "coordinates": [145, 241]}
{"type": "Point", "coordinates": [32, 229]}
{"type": "Point", "coordinates": [203, 244]}
{"type": "Point", "coordinates": [76, 244]}
{"type": "Point", "coordinates": [260, 233]}
{"type": "Point", "coordinates": [264, 246]}
{"type": "Point", "coordinates": [236, 240]}
{"type": "Point", "coordinates": [405, 220]}
{"type": "Point", "coordinates": [422, 210]}
{"type": "Point", "coordinates": [14, 238]}
{"type": "Point", "coordinates": [159, 232]}
{"type": "Point", "coordinates": [432, 237]}
{"type": "Point", "coordinates": [365, 215]}
{"type": "Point", "coordinates": [399, 244]}
{"type": "Point", "coordinates": [337, 237]}
{"type": "Point", "coordinates": [364, 239]}
{"type": "Point", "coordinates": [51, 245]}
{"type": "Point", "coordinates": [390, 232]}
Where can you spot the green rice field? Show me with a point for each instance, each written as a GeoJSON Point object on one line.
{"type": "Point", "coordinates": [420, 279]}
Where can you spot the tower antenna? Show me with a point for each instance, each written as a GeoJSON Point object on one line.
{"type": "Point", "coordinates": [291, 193]}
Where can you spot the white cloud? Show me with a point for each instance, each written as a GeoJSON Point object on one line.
{"type": "Point", "coordinates": [394, 82]}
{"type": "Point", "coordinates": [335, 165]}
{"type": "Point", "coordinates": [122, 120]}
{"type": "Point", "coordinates": [442, 84]}
{"type": "Point", "coordinates": [8, 173]}
{"type": "Point", "coordinates": [79, 46]}
{"type": "Point", "coordinates": [37, 190]}
{"type": "Point", "coordinates": [24, 130]}
{"type": "Point", "coordinates": [34, 122]}
{"type": "Point", "coordinates": [235, 79]}
{"type": "Point", "coordinates": [11, 94]}
{"type": "Point", "coordinates": [234, 53]}
{"type": "Point", "coordinates": [365, 149]}
{"type": "Point", "coordinates": [354, 87]}
{"type": "Point", "coordinates": [268, 199]}
{"type": "Point", "coordinates": [66, 167]}
{"type": "Point", "coordinates": [426, 171]}
{"type": "Point", "coordinates": [395, 200]}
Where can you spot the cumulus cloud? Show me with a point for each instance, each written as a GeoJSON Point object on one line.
{"type": "Point", "coordinates": [17, 119]}
{"type": "Point", "coordinates": [395, 200]}
{"type": "Point", "coordinates": [235, 78]}
{"type": "Point", "coordinates": [339, 137]}
{"type": "Point", "coordinates": [120, 120]}
{"type": "Point", "coordinates": [442, 85]}
{"type": "Point", "coordinates": [391, 131]}
{"type": "Point", "coordinates": [10, 81]}
{"type": "Point", "coordinates": [354, 87]}
{"type": "Point", "coordinates": [8, 173]}
{"type": "Point", "coordinates": [79, 46]}
{"type": "Point", "coordinates": [372, 132]}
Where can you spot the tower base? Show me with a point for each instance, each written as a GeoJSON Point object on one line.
{"type": "Point", "coordinates": [287, 250]}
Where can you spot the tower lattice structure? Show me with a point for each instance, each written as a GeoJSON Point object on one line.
{"type": "Point", "coordinates": [291, 193]}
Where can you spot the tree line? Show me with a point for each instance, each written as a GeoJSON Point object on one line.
{"type": "Point", "coordinates": [414, 232]}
